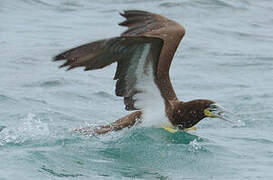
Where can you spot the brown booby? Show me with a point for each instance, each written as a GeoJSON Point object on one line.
{"type": "Point", "coordinates": [143, 53]}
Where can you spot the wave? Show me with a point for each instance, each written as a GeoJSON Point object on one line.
{"type": "Point", "coordinates": [207, 4]}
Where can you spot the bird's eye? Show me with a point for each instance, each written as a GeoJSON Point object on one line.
{"type": "Point", "coordinates": [180, 126]}
{"type": "Point", "coordinates": [213, 106]}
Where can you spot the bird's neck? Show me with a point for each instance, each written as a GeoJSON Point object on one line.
{"type": "Point", "coordinates": [171, 108]}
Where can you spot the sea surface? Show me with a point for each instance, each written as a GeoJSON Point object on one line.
{"type": "Point", "coordinates": [226, 55]}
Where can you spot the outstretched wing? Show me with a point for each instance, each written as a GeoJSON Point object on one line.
{"type": "Point", "coordinates": [137, 59]}
{"type": "Point", "coordinates": [142, 23]}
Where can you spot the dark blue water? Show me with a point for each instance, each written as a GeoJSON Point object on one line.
{"type": "Point", "coordinates": [226, 56]}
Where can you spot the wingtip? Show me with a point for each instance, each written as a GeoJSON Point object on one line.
{"type": "Point", "coordinates": [122, 13]}
{"type": "Point", "coordinates": [58, 57]}
{"type": "Point", "coordinates": [136, 12]}
{"type": "Point", "coordinates": [61, 66]}
{"type": "Point", "coordinates": [54, 59]}
{"type": "Point", "coordinates": [69, 68]}
{"type": "Point", "coordinates": [123, 23]}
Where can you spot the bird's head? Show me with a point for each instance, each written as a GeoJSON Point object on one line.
{"type": "Point", "coordinates": [187, 114]}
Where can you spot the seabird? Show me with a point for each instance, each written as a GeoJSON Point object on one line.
{"type": "Point", "coordinates": [143, 53]}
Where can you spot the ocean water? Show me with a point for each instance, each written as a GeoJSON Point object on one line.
{"type": "Point", "coordinates": [226, 56]}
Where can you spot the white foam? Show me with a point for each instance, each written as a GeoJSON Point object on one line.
{"type": "Point", "coordinates": [31, 128]}
{"type": "Point", "coordinates": [195, 145]}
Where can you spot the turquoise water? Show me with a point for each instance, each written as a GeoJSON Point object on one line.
{"type": "Point", "coordinates": [226, 56]}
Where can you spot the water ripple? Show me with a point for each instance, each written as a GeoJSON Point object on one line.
{"type": "Point", "coordinates": [48, 83]}
{"type": "Point", "coordinates": [206, 4]}
{"type": "Point", "coordinates": [4, 98]}
{"type": "Point", "coordinates": [256, 140]}
{"type": "Point", "coordinates": [59, 174]}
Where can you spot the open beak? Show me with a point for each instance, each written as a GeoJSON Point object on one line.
{"type": "Point", "coordinates": [216, 111]}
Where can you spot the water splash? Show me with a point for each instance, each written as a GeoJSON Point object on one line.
{"type": "Point", "coordinates": [195, 145]}
{"type": "Point", "coordinates": [239, 123]}
{"type": "Point", "coordinates": [31, 128]}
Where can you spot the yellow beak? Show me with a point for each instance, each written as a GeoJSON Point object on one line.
{"type": "Point", "coordinates": [216, 111]}
{"type": "Point", "coordinates": [208, 113]}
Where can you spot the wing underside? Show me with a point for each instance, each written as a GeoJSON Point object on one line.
{"type": "Point", "coordinates": [136, 57]}
{"type": "Point", "coordinates": [142, 23]}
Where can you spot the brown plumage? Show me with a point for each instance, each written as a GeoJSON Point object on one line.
{"type": "Point", "coordinates": [143, 53]}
